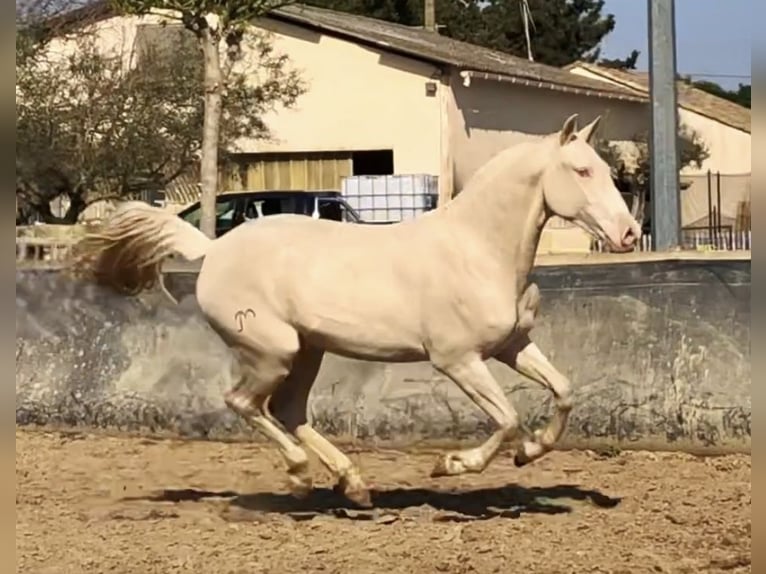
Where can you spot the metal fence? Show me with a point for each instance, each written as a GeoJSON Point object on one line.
{"type": "Point", "coordinates": [714, 200]}
{"type": "Point", "coordinates": [644, 244]}
{"type": "Point", "coordinates": [715, 214]}
{"type": "Point", "coordinates": [720, 238]}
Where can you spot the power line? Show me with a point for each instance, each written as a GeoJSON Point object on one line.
{"type": "Point", "coordinates": [702, 75]}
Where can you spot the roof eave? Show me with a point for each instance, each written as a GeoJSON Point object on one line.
{"type": "Point", "coordinates": [441, 62]}
{"type": "Point", "coordinates": [599, 70]}
{"type": "Point", "coordinates": [282, 16]}
{"type": "Point", "coordinates": [717, 119]}
{"type": "Point", "coordinates": [468, 75]}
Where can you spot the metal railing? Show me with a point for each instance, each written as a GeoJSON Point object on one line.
{"type": "Point", "coordinates": [644, 244]}
{"type": "Point", "coordinates": [697, 239]}
{"type": "Point", "coordinates": [48, 252]}
{"type": "Point", "coordinates": [722, 238]}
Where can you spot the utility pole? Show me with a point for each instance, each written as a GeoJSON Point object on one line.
{"type": "Point", "coordinates": [429, 16]}
{"type": "Point", "coordinates": [663, 143]}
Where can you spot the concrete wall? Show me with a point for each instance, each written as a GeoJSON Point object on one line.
{"type": "Point", "coordinates": [658, 352]}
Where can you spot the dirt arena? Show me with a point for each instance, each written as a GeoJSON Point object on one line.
{"type": "Point", "coordinates": [88, 503]}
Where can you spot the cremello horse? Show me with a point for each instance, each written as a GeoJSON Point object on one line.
{"type": "Point", "coordinates": [449, 287]}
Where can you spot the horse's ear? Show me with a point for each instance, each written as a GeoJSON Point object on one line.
{"type": "Point", "coordinates": [589, 131]}
{"type": "Point", "coordinates": [568, 130]}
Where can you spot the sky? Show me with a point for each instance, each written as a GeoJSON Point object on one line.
{"type": "Point", "coordinates": [712, 37]}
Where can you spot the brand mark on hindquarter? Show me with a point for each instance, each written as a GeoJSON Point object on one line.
{"type": "Point", "coordinates": [240, 316]}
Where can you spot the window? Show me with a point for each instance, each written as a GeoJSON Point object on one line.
{"type": "Point", "coordinates": [330, 210]}
{"type": "Point", "coordinates": [374, 162]}
{"type": "Point", "coordinates": [224, 214]}
{"type": "Point", "coordinates": [337, 210]}
{"type": "Point", "coordinates": [290, 203]}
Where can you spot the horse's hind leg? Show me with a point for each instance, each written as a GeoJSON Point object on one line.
{"type": "Point", "coordinates": [251, 407]}
{"type": "Point", "coordinates": [289, 404]}
{"type": "Point", "coordinates": [265, 368]}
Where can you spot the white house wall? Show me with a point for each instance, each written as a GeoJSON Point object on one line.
{"type": "Point", "coordinates": [729, 147]}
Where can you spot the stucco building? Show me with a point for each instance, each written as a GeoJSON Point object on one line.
{"type": "Point", "coordinates": [390, 99]}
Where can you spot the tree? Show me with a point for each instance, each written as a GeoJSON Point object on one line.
{"type": "Point", "coordinates": [564, 30]}
{"type": "Point", "coordinates": [404, 12]}
{"type": "Point", "coordinates": [739, 96]}
{"type": "Point", "coordinates": [627, 63]}
{"type": "Point", "coordinates": [213, 22]}
{"type": "Point", "coordinates": [631, 166]}
{"type": "Point", "coordinates": [89, 128]}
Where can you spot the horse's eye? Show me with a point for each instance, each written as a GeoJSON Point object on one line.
{"type": "Point", "coordinates": [583, 171]}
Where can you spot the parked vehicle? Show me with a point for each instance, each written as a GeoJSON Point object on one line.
{"type": "Point", "coordinates": [235, 208]}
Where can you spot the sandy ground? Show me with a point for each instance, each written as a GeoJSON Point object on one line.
{"type": "Point", "coordinates": [88, 503]}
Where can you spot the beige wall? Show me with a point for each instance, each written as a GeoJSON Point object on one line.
{"type": "Point", "coordinates": [488, 116]}
{"type": "Point", "coordinates": [357, 99]}
{"type": "Point", "coordinates": [729, 147]}
{"type": "Point", "coordinates": [114, 36]}
{"type": "Point", "coordinates": [734, 198]}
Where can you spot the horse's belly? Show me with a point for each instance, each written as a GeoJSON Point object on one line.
{"type": "Point", "coordinates": [371, 340]}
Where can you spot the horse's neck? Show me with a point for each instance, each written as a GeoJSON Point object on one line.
{"type": "Point", "coordinates": [503, 204]}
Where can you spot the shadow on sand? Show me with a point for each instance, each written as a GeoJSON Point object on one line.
{"type": "Point", "coordinates": [509, 501]}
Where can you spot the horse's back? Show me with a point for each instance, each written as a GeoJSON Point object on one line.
{"type": "Point", "coordinates": [277, 239]}
{"type": "Point", "coordinates": [323, 277]}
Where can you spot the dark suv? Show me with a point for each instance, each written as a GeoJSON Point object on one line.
{"type": "Point", "coordinates": [238, 207]}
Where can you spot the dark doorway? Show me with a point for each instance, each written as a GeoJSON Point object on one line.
{"type": "Point", "coordinates": [373, 162]}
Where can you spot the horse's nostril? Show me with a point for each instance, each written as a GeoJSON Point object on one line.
{"type": "Point", "coordinates": [629, 237]}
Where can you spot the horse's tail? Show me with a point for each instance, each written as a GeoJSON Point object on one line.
{"type": "Point", "coordinates": [126, 252]}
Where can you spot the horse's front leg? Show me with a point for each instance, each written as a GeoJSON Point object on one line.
{"type": "Point", "coordinates": [525, 357]}
{"type": "Point", "coordinates": [471, 374]}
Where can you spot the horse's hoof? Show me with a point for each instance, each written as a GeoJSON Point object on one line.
{"type": "Point", "coordinates": [300, 490]}
{"type": "Point", "coordinates": [520, 460]}
{"type": "Point", "coordinates": [360, 497]}
{"type": "Point", "coordinates": [355, 491]}
{"type": "Point", "coordinates": [440, 468]}
{"type": "Point", "coordinates": [300, 485]}
{"type": "Point", "coordinates": [448, 465]}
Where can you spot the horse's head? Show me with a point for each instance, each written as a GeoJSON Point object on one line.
{"type": "Point", "coordinates": [578, 186]}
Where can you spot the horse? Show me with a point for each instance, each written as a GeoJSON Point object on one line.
{"type": "Point", "coordinates": [450, 286]}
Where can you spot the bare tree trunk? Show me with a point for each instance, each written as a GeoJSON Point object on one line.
{"type": "Point", "coordinates": [211, 131]}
